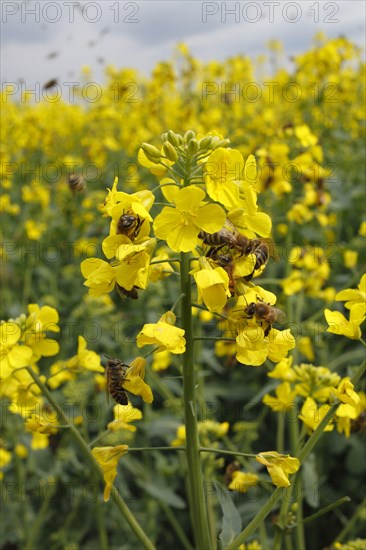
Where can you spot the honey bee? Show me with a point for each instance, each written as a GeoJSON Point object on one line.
{"type": "Point", "coordinates": [229, 470]}
{"type": "Point", "coordinates": [226, 262]}
{"type": "Point", "coordinates": [129, 225]}
{"type": "Point", "coordinates": [115, 373]}
{"type": "Point", "coordinates": [124, 293]}
{"type": "Point", "coordinates": [77, 183]}
{"type": "Point", "coordinates": [359, 424]}
{"type": "Point", "coordinates": [265, 313]}
{"type": "Point", "coordinates": [261, 252]}
{"type": "Point", "coordinates": [233, 240]}
{"type": "Point", "coordinates": [226, 237]}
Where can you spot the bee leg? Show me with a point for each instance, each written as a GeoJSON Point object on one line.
{"type": "Point", "coordinates": [138, 227]}
{"type": "Point", "coordinates": [249, 277]}
{"type": "Point", "coordinates": [267, 330]}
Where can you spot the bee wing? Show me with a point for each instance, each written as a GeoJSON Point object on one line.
{"type": "Point", "coordinates": [271, 245]}
{"type": "Point", "coordinates": [106, 374]}
{"type": "Point", "coordinates": [281, 316]}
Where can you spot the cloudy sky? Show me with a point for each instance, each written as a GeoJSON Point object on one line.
{"type": "Point", "coordinates": [42, 40]}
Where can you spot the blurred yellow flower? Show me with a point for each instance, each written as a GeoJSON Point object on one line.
{"type": "Point", "coordinates": [107, 458]}
{"type": "Point", "coordinates": [241, 481]}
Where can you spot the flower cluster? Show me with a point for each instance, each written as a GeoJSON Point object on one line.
{"type": "Point", "coordinates": [314, 389]}
{"type": "Point", "coordinates": [310, 271]}
{"type": "Point", "coordinates": [25, 339]}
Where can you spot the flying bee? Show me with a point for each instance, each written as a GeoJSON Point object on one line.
{"type": "Point", "coordinates": [77, 183]}
{"type": "Point", "coordinates": [50, 84]}
{"type": "Point", "coordinates": [115, 373]}
{"type": "Point", "coordinates": [129, 225]}
{"type": "Point", "coordinates": [265, 313]}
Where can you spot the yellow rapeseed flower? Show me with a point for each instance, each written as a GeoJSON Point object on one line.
{"type": "Point", "coordinates": [279, 466]}
{"type": "Point", "coordinates": [107, 458]}
{"type": "Point", "coordinates": [123, 415]}
{"type": "Point", "coordinates": [241, 481]}
{"type": "Point", "coordinates": [179, 226]}
{"type": "Point", "coordinates": [164, 334]}
{"type": "Point", "coordinates": [312, 414]}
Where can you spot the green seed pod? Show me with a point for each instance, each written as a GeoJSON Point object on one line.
{"type": "Point", "coordinates": [222, 143]}
{"type": "Point", "coordinates": [173, 138]}
{"type": "Point", "coordinates": [169, 151]}
{"type": "Point", "coordinates": [205, 143]}
{"type": "Point", "coordinates": [192, 147]}
{"type": "Point", "coordinates": [152, 152]}
{"type": "Point", "coordinates": [190, 134]}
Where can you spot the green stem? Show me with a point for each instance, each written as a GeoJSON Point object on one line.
{"type": "Point", "coordinates": [280, 441]}
{"type": "Point", "coordinates": [33, 536]}
{"type": "Point", "coordinates": [213, 338]}
{"type": "Point", "coordinates": [139, 449]}
{"type": "Point", "coordinates": [345, 358]}
{"type": "Point", "coordinates": [257, 520]}
{"type": "Point", "coordinates": [198, 504]}
{"type": "Point", "coordinates": [198, 306]}
{"type": "Point", "coordinates": [351, 523]}
{"type": "Point", "coordinates": [176, 302]}
{"type": "Point", "coordinates": [223, 452]}
{"type": "Point", "coordinates": [103, 538]}
{"type": "Point", "coordinates": [325, 510]}
{"type": "Point", "coordinates": [176, 526]}
{"type": "Point", "coordinates": [166, 261]}
{"type": "Point", "coordinates": [294, 443]}
{"type": "Point", "coordinates": [84, 448]}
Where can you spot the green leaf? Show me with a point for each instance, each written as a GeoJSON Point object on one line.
{"type": "Point", "coordinates": [310, 481]}
{"type": "Point", "coordinates": [165, 494]}
{"type": "Point", "coordinates": [231, 520]}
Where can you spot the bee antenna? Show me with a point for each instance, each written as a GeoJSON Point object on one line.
{"type": "Point", "coordinates": [107, 356]}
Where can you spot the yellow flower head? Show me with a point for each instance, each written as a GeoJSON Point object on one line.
{"type": "Point", "coordinates": [40, 321]}
{"type": "Point", "coordinates": [179, 225]}
{"type": "Point", "coordinates": [164, 334]}
{"type": "Point", "coordinates": [45, 423]}
{"type": "Point", "coordinates": [213, 287]}
{"type": "Point", "coordinates": [284, 399]}
{"type": "Point", "coordinates": [241, 481]}
{"type": "Point", "coordinates": [315, 382]}
{"type": "Point", "coordinates": [85, 359]}
{"type": "Point", "coordinates": [279, 466]}
{"type": "Point", "coordinates": [12, 353]}
{"type": "Point", "coordinates": [346, 394]}
{"type": "Point", "coordinates": [134, 381]}
{"type": "Point", "coordinates": [123, 415]}
{"type": "Point", "coordinates": [312, 414]}
{"type": "Point", "coordinates": [100, 276]}
{"type": "Point", "coordinates": [161, 360]}
{"type": "Point", "coordinates": [338, 324]}
{"type": "Point", "coordinates": [353, 296]}
{"type": "Point", "coordinates": [107, 458]}
{"type": "Point", "coordinates": [223, 175]}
